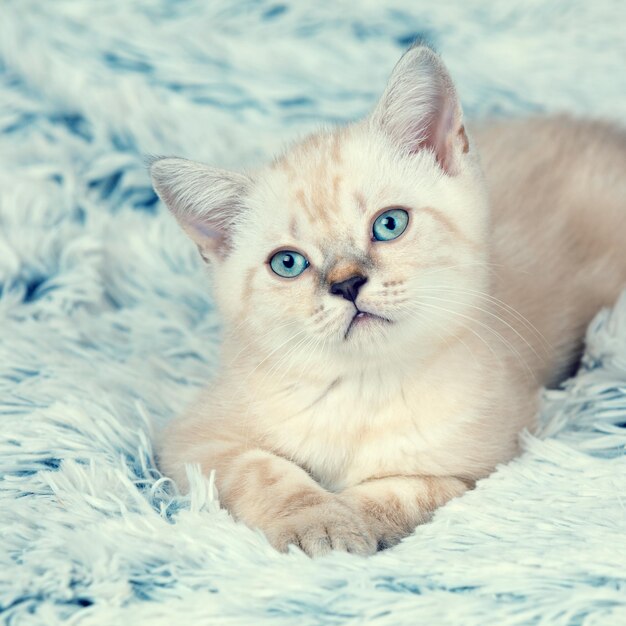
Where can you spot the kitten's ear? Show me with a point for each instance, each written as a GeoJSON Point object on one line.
{"type": "Point", "coordinates": [206, 201]}
{"type": "Point", "coordinates": [420, 109]}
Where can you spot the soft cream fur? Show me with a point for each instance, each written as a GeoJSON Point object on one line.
{"type": "Point", "coordinates": [330, 440]}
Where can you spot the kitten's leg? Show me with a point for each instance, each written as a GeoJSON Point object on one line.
{"type": "Point", "coordinates": [271, 493]}
{"type": "Point", "coordinates": [394, 506]}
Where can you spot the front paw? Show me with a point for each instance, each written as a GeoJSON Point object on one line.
{"type": "Point", "coordinates": [321, 527]}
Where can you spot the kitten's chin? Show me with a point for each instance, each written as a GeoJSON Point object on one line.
{"type": "Point", "coordinates": [363, 324]}
{"type": "Point", "coordinates": [374, 338]}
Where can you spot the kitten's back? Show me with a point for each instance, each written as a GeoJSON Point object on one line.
{"type": "Point", "coordinates": [558, 197]}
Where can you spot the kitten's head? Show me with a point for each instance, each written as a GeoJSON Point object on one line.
{"type": "Point", "coordinates": [366, 241]}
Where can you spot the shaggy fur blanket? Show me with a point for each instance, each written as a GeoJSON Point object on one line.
{"type": "Point", "coordinates": [107, 327]}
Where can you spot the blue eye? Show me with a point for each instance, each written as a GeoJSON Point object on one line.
{"type": "Point", "coordinates": [288, 264]}
{"type": "Point", "coordinates": [390, 224]}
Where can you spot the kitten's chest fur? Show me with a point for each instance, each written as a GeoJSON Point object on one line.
{"type": "Point", "coordinates": [378, 423]}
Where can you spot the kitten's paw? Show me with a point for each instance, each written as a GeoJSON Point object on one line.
{"type": "Point", "coordinates": [318, 529]}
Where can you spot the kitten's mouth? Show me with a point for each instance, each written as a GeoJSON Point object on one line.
{"type": "Point", "coordinates": [364, 318]}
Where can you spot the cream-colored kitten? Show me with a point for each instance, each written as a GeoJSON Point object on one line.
{"type": "Point", "coordinates": [389, 315]}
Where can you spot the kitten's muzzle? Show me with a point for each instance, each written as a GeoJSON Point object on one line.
{"type": "Point", "coordinates": [349, 288]}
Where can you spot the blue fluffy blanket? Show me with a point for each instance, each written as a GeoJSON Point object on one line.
{"type": "Point", "coordinates": [107, 327]}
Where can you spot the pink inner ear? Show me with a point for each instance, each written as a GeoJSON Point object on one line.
{"type": "Point", "coordinates": [443, 126]}
{"type": "Point", "coordinates": [208, 239]}
{"type": "Point", "coordinates": [204, 230]}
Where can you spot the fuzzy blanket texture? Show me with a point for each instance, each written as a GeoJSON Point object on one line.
{"type": "Point", "coordinates": [107, 327]}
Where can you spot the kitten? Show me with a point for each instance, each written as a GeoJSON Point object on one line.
{"type": "Point", "coordinates": [389, 314]}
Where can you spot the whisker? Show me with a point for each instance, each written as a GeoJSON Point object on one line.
{"type": "Point", "coordinates": [413, 314]}
{"type": "Point", "coordinates": [487, 312]}
{"type": "Point", "coordinates": [504, 340]}
{"type": "Point", "coordinates": [312, 351]}
{"type": "Point", "coordinates": [499, 303]}
{"type": "Point", "coordinates": [291, 338]}
{"type": "Point", "coordinates": [257, 339]}
{"type": "Point", "coordinates": [438, 270]}
{"type": "Point", "coordinates": [283, 358]}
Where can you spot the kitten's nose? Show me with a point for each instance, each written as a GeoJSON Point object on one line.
{"type": "Point", "coordinates": [348, 288]}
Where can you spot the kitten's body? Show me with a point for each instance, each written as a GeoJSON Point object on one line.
{"type": "Point", "coordinates": [558, 194]}
{"type": "Point", "coordinates": [347, 438]}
